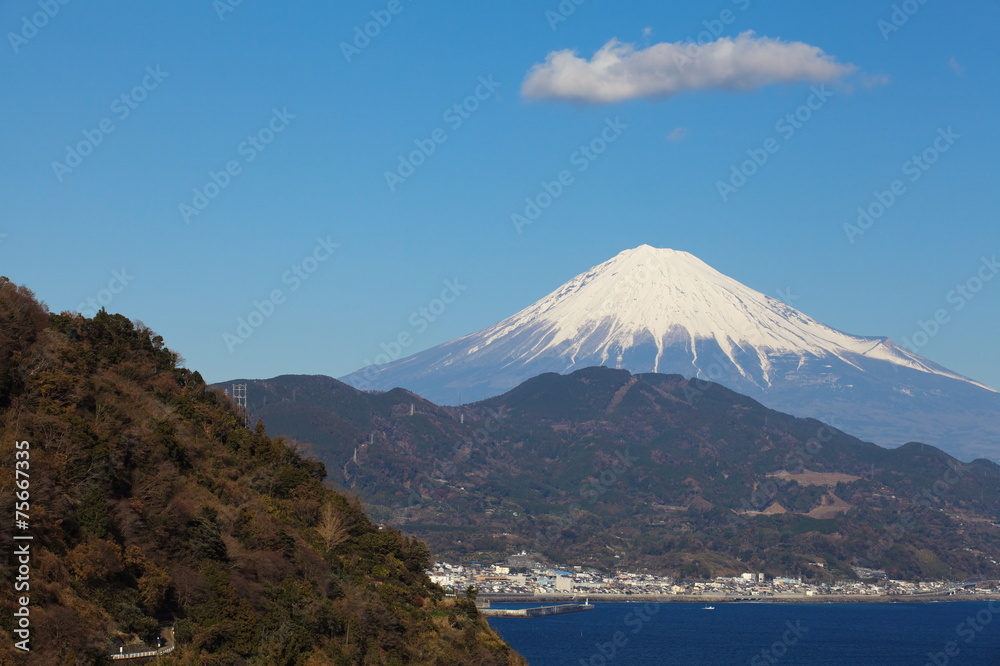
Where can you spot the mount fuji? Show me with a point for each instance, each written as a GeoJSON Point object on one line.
{"type": "Point", "coordinates": [666, 311]}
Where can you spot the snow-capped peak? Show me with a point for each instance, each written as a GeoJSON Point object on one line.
{"type": "Point", "coordinates": [659, 310]}
{"type": "Point", "coordinates": [666, 297]}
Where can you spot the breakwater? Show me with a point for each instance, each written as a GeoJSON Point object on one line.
{"type": "Point", "coordinates": [537, 611]}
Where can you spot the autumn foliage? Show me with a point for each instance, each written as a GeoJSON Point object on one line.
{"type": "Point", "coordinates": [152, 506]}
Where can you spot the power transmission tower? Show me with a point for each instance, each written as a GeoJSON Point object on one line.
{"type": "Point", "coordinates": [240, 396]}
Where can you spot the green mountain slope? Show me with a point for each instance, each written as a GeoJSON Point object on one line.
{"type": "Point", "coordinates": [644, 471]}
{"type": "Point", "coordinates": [150, 506]}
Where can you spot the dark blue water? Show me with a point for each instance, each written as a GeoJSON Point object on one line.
{"type": "Point", "coordinates": [761, 634]}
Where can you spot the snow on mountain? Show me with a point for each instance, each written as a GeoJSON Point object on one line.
{"type": "Point", "coordinates": [661, 310]}
{"type": "Point", "coordinates": [671, 297]}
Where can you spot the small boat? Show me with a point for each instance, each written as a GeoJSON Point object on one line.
{"type": "Point", "coordinates": [709, 608]}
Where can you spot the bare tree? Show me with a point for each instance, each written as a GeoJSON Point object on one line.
{"type": "Point", "coordinates": [332, 527]}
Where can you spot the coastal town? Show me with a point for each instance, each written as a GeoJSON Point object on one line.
{"type": "Point", "coordinates": [549, 582]}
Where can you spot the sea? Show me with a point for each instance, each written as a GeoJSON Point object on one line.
{"type": "Point", "coordinates": [759, 634]}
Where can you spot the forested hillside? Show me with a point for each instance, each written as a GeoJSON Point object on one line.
{"type": "Point", "coordinates": [606, 468]}
{"type": "Point", "coordinates": [151, 506]}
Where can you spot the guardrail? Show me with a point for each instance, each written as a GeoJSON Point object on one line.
{"type": "Point", "coordinates": [140, 655]}
{"type": "Point", "coordinates": [167, 634]}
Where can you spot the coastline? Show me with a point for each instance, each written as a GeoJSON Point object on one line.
{"type": "Point", "coordinates": [710, 598]}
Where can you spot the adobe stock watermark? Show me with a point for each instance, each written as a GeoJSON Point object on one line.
{"type": "Point", "coordinates": [21, 486]}
{"type": "Point", "coordinates": [786, 295]}
{"type": "Point", "coordinates": [694, 47]}
{"type": "Point", "coordinates": [103, 298]}
{"type": "Point", "coordinates": [635, 621]}
{"type": "Point", "coordinates": [779, 648]}
{"type": "Point", "coordinates": [32, 24]}
{"type": "Point", "coordinates": [121, 108]}
{"type": "Point", "coordinates": [967, 630]}
{"type": "Point", "coordinates": [464, 450]}
{"type": "Point", "coordinates": [924, 501]}
{"type": "Point", "coordinates": [642, 277]}
{"type": "Point", "coordinates": [445, 471]}
{"type": "Point", "coordinates": [562, 12]}
{"type": "Point", "coordinates": [715, 373]}
{"type": "Point", "coordinates": [958, 298]}
{"type": "Point", "coordinates": [900, 16]}
{"type": "Point", "coordinates": [364, 34]}
{"type": "Point", "coordinates": [454, 116]}
{"type": "Point", "coordinates": [264, 309]}
{"type": "Point", "coordinates": [225, 7]}
{"type": "Point", "coordinates": [418, 322]}
{"type": "Point", "coordinates": [594, 487]}
{"type": "Point", "coordinates": [582, 158]}
{"type": "Point", "coordinates": [785, 127]}
{"type": "Point", "coordinates": [591, 489]}
{"type": "Point", "coordinates": [795, 462]}
{"type": "Point", "coordinates": [249, 149]}
{"type": "Point", "coordinates": [914, 169]}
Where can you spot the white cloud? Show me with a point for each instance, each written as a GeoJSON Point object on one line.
{"type": "Point", "coordinates": [874, 80]}
{"type": "Point", "coordinates": [956, 66]}
{"type": "Point", "coordinates": [678, 134]}
{"type": "Point", "coordinates": [620, 72]}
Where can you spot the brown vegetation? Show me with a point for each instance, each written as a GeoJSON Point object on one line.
{"type": "Point", "coordinates": [808, 478]}
{"type": "Point", "coordinates": [152, 505]}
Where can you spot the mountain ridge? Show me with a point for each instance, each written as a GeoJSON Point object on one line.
{"type": "Point", "coordinates": [660, 310]}
{"type": "Point", "coordinates": [679, 475]}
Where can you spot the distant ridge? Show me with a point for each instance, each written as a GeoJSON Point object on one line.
{"type": "Point", "coordinates": [662, 310]}
{"type": "Point", "coordinates": [607, 468]}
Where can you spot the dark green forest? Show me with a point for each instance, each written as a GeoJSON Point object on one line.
{"type": "Point", "coordinates": [659, 472]}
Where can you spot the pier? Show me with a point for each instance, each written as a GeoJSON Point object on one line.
{"type": "Point", "coordinates": [537, 611]}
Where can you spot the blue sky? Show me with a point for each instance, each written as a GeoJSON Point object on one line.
{"type": "Point", "coordinates": [299, 132]}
